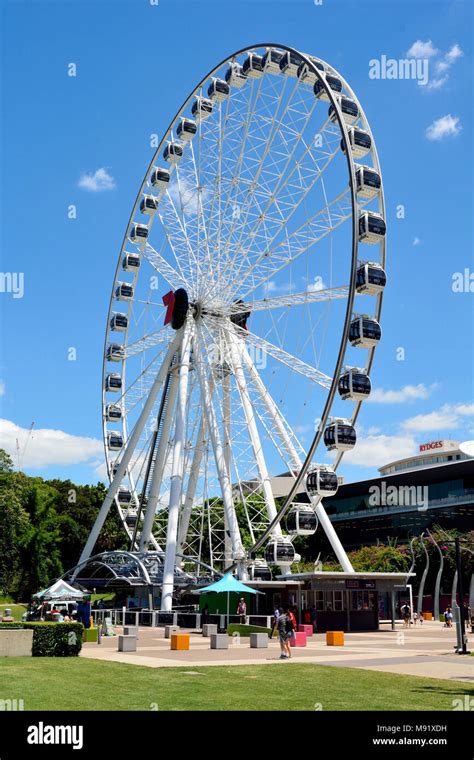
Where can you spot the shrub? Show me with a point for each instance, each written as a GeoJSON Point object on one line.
{"type": "Point", "coordinates": [53, 639]}
{"type": "Point", "coordinates": [246, 630]}
{"type": "Point", "coordinates": [56, 639]}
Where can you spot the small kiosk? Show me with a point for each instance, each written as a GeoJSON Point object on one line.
{"type": "Point", "coordinates": [350, 601]}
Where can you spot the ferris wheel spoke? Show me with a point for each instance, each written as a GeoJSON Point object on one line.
{"type": "Point", "coordinates": [257, 130]}
{"type": "Point", "coordinates": [175, 229]}
{"type": "Point", "coordinates": [295, 364]}
{"type": "Point", "coordinates": [193, 478]}
{"type": "Point", "coordinates": [288, 121]}
{"type": "Point", "coordinates": [235, 352]}
{"type": "Point", "coordinates": [212, 158]}
{"type": "Point", "coordinates": [212, 424]}
{"type": "Point", "coordinates": [137, 390]}
{"type": "Point", "coordinates": [161, 433]}
{"type": "Point", "coordinates": [288, 439]}
{"type": "Point", "coordinates": [164, 335]}
{"type": "Point", "coordinates": [158, 262]}
{"type": "Point", "coordinates": [291, 191]}
{"type": "Point", "coordinates": [292, 299]}
{"type": "Point", "coordinates": [190, 200]}
{"type": "Point", "coordinates": [331, 216]}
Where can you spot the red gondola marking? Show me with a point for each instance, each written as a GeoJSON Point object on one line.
{"type": "Point", "coordinates": [168, 301]}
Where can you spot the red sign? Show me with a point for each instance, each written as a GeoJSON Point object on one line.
{"type": "Point", "coordinates": [168, 301]}
{"type": "Point", "coordinates": [431, 445]}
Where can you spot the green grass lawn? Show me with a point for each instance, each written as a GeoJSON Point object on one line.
{"type": "Point", "coordinates": [75, 684]}
{"type": "Point", "coordinates": [17, 610]}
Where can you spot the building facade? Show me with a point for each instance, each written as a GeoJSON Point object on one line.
{"type": "Point", "coordinates": [435, 487]}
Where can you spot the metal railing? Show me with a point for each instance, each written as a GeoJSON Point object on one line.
{"type": "Point", "coordinates": [158, 619]}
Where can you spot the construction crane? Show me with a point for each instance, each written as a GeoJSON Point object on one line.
{"type": "Point", "coordinates": [20, 455]}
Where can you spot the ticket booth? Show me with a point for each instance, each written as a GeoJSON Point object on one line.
{"type": "Point", "coordinates": [349, 601]}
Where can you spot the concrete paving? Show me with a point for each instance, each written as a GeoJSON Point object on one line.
{"type": "Point", "coordinates": [426, 650]}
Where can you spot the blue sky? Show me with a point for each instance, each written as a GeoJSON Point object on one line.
{"type": "Point", "coordinates": [136, 63]}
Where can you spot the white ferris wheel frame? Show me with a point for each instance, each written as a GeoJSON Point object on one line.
{"type": "Point", "coordinates": [236, 556]}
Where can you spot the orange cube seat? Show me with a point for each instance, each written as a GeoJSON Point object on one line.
{"type": "Point", "coordinates": [335, 638]}
{"type": "Point", "coordinates": [180, 641]}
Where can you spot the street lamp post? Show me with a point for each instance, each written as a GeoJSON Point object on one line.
{"type": "Point", "coordinates": [462, 649]}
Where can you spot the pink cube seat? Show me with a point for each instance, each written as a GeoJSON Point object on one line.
{"type": "Point", "coordinates": [299, 640]}
{"type": "Point", "coordinates": [307, 629]}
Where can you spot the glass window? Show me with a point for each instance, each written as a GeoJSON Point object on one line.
{"type": "Point", "coordinates": [320, 600]}
{"type": "Point", "coordinates": [338, 601]}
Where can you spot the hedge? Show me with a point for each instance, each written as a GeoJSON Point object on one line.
{"type": "Point", "coordinates": [53, 639]}
{"type": "Point", "coordinates": [246, 630]}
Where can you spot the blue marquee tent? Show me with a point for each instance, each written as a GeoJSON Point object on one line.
{"type": "Point", "coordinates": [227, 585]}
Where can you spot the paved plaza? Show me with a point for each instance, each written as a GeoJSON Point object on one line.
{"type": "Point", "coordinates": [426, 650]}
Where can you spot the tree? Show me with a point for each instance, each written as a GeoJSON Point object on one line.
{"type": "Point", "coordinates": [6, 462]}
{"type": "Point", "coordinates": [14, 524]}
{"type": "Point", "coordinates": [40, 553]}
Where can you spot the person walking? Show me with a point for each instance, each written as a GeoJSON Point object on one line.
{"type": "Point", "coordinates": [449, 617]}
{"type": "Point", "coordinates": [242, 609]}
{"type": "Point", "coordinates": [406, 615]}
{"type": "Point", "coordinates": [283, 622]}
{"type": "Point", "coordinates": [292, 618]}
{"type": "Point", "coordinates": [276, 612]}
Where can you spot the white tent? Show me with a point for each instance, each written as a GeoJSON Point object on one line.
{"type": "Point", "coordinates": [60, 591]}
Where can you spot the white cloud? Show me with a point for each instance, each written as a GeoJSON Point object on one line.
{"type": "Point", "coordinates": [317, 284]}
{"type": "Point", "coordinates": [445, 126]}
{"type": "Point", "coordinates": [449, 417]}
{"type": "Point", "coordinates": [442, 67]}
{"type": "Point", "coordinates": [407, 393]}
{"type": "Point", "coordinates": [2, 388]}
{"type": "Point", "coordinates": [421, 49]}
{"type": "Point", "coordinates": [467, 409]}
{"type": "Point", "coordinates": [377, 450]}
{"type": "Point", "coordinates": [442, 64]}
{"type": "Point", "coordinates": [273, 287]}
{"type": "Point", "coordinates": [436, 84]}
{"type": "Point", "coordinates": [97, 182]}
{"type": "Point", "coordinates": [45, 447]}
{"type": "Point", "coordinates": [416, 241]}
{"type": "Point", "coordinates": [185, 195]}
{"type": "Point", "coordinates": [453, 54]}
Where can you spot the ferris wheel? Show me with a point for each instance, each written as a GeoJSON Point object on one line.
{"type": "Point", "coordinates": [243, 319]}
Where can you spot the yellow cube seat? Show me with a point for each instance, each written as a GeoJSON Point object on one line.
{"type": "Point", "coordinates": [335, 638]}
{"type": "Point", "coordinates": [180, 641]}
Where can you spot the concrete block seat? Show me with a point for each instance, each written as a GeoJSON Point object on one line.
{"type": "Point", "coordinates": [127, 643]}
{"type": "Point", "coordinates": [219, 641]}
{"type": "Point", "coordinates": [130, 630]}
{"type": "Point", "coordinates": [209, 629]}
{"type": "Point", "coordinates": [259, 641]}
{"type": "Point", "coordinates": [16, 642]}
{"type": "Point", "coordinates": [299, 640]}
{"type": "Point", "coordinates": [169, 629]}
